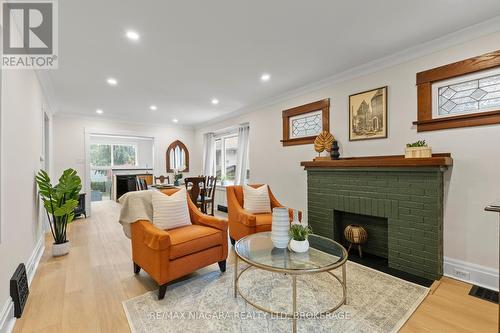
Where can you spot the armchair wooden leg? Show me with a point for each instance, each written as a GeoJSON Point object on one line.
{"type": "Point", "coordinates": [137, 268]}
{"type": "Point", "coordinates": [162, 291]}
{"type": "Point", "coordinates": [222, 266]}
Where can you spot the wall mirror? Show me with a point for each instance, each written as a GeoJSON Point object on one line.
{"type": "Point", "coordinates": [177, 157]}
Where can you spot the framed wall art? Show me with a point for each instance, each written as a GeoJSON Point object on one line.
{"type": "Point", "coordinates": [368, 115]}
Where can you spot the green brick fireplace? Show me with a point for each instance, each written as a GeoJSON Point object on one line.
{"type": "Point", "coordinates": [409, 199]}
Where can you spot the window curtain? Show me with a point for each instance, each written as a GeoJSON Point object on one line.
{"type": "Point", "coordinates": [208, 154]}
{"type": "Point", "coordinates": [242, 154]}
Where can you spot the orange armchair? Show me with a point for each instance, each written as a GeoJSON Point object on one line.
{"type": "Point", "coordinates": [242, 222]}
{"type": "Point", "coordinates": [169, 254]}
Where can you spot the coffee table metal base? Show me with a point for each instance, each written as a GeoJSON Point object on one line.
{"type": "Point", "coordinates": [294, 316]}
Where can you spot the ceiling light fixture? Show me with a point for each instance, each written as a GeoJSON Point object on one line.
{"type": "Point", "coordinates": [99, 111]}
{"type": "Point", "coordinates": [175, 120]}
{"type": "Point", "coordinates": [112, 81]}
{"type": "Point", "coordinates": [215, 101]}
{"type": "Point", "coordinates": [132, 35]}
{"type": "Point", "coordinates": [265, 77]}
{"type": "Point", "coordinates": [153, 108]}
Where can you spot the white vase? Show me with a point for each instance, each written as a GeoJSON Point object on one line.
{"type": "Point", "coordinates": [60, 249]}
{"type": "Point", "coordinates": [280, 227]}
{"type": "Point", "coordinates": [295, 217]}
{"type": "Point", "coordinates": [299, 246]}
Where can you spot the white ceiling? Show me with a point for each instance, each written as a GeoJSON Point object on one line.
{"type": "Point", "coordinates": [192, 51]}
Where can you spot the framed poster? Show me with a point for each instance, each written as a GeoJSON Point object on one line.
{"type": "Point", "coordinates": [368, 115]}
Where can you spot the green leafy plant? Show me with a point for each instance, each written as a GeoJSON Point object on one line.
{"type": "Point", "coordinates": [59, 201]}
{"type": "Point", "coordinates": [299, 232]}
{"type": "Point", "coordinates": [419, 143]}
{"type": "Point", "coordinates": [178, 176]}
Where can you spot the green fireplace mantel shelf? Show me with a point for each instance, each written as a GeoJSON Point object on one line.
{"type": "Point", "coordinates": [437, 160]}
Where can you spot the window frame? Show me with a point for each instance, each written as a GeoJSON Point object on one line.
{"type": "Point", "coordinates": [321, 105]}
{"type": "Point", "coordinates": [112, 165]}
{"type": "Point", "coordinates": [426, 121]}
{"type": "Point", "coordinates": [222, 139]}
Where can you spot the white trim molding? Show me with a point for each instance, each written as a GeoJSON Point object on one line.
{"type": "Point", "coordinates": [471, 273]}
{"type": "Point", "coordinates": [7, 319]}
{"type": "Point", "coordinates": [35, 258]}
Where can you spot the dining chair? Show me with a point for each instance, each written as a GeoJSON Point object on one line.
{"type": "Point", "coordinates": [194, 186]}
{"type": "Point", "coordinates": [141, 184]}
{"type": "Point", "coordinates": [162, 179]}
{"type": "Point", "coordinates": [209, 194]}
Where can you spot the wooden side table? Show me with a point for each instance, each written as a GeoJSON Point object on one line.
{"type": "Point", "coordinates": [495, 208]}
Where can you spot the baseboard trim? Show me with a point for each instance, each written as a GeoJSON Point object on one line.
{"type": "Point", "coordinates": [7, 319]}
{"type": "Point", "coordinates": [478, 275]}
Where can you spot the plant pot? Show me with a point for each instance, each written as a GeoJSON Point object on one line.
{"type": "Point", "coordinates": [59, 250]}
{"type": "Point", "coordinates": [299, 246]}
{"type": "Point", "coordinates": [176, 182]}
{"type": "Point", "coordinates": [418, 152]}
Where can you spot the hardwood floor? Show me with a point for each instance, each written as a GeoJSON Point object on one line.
{"type": "Point", "coordinates": [83, 291]}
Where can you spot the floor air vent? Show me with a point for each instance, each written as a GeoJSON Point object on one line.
{"type": "Point", "coordinates": [19, 289]}
{"type": "Point", "coordinates": [483, 293]}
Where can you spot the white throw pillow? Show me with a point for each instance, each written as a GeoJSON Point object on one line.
{"type": "Point", "coordinates": [170, 211]}
{"type": "Point", "coordinates": [256, 200]}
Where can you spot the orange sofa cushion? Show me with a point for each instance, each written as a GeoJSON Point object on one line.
{"type": "Point", "coordinates": [192, 239]}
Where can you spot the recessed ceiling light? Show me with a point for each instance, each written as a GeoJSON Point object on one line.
{"type": "Point", "coordinates": [175, 120]}
{"type": "Point", "coordinates": [99, 111]}
{"type": "Point", "coordinates": [112, 81]}
{"type": "Point", "coordinates": [215, 101]}
{"type": "Point", "coordinates": [265, 77]}
{"type": "Point", "coordinates": [132, 35]}
{"type": "Point", "coordinates": [153, 108]}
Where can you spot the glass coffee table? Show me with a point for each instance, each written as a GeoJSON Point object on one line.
{"type": "Point", "coordinates": [324, 255]}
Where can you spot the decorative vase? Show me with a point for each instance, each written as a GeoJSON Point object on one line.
{"type": "Point", "coordinates": [59, 250]}
{"type": "Point", "coordinates": [295, 217]}
{"type": "Point", "coordinates": [299, 246]}
{"type": "Point", "coordinates": [176, 182]}
{"type": "Point", "coordinates": [280, 227]}
{"type": "Point", "coordinates": [335, 150]}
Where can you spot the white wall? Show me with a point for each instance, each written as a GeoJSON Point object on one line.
{"type": "Point", "coordinates": [69, 141]}
{"type": "Point", "coordinates": [470, 234]}
{"type": "Point", "coordinates": [21, 227]}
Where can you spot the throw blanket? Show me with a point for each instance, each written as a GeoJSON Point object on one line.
{"type": "Point", "coordinates": [136, 206]}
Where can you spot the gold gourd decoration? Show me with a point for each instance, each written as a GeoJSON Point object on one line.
{"type": "Point", "coordinates": [323, 142]}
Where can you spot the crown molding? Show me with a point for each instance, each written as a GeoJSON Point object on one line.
{"type": "Point", "coordinates": [104, 118]}
{"type": "Point", "coordinates": [458, 37]}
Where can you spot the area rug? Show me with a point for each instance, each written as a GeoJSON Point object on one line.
{"type": "Point", "coordinates": [376, 302]}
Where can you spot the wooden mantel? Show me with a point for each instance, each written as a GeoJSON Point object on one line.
{"type": "Point", "coordinates": [437, 160]}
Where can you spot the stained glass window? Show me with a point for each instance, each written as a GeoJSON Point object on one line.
{"type": "Point", "coordinates": [308, 124]}
{"type": "Point", "coordinates": [472, 96]}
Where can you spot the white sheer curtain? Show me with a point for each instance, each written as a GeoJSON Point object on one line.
{"type": "Point", "coordinates": [208, 154]}
{"type": "Point", "coordinates": [242, 154]}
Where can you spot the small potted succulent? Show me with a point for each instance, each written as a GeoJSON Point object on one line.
{"type": "Point", "coordinates": [418, 149]}
{"type": "Point", "coordinates": [299, 234]}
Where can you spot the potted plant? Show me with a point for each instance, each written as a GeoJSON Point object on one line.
{"type": "Point", "coordinates": [299, 234]}
{"type": "Point", "coordinates": [177, 177]}
{"type": "Point", "coordinates": [60, 202]}
{"type": "Point", "coordinates": [418, 149]}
